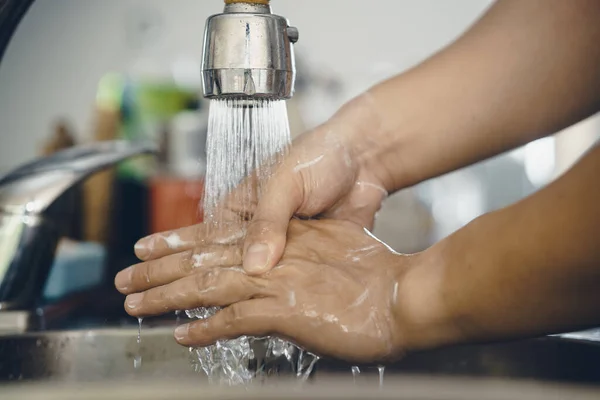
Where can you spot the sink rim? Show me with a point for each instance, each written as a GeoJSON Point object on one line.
{"type": "Point", "coordinates": [474, 360]}
{"type": "Point", "coordinates": [105, 332]}
{"type": "Point", "coordinates": [591, 337]}
{"type": "Point", "coordinates": [330, 387]}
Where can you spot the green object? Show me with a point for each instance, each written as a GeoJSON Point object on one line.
{"type": "Point", "coordinates": [146, 107]}
{"type": "Point", "coordinates": [110, 91]}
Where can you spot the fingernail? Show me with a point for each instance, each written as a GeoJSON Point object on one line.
{"type": "Point", "coordinates": [123, 279]}
{"type": "Point", "coordinates": [257, 258]}
{"type": "Point", "coordinates": [142, 248]}
{"type": "Point", "coordinates": [134, 300]}
{"type": "Point", "coordinates": [181, 332]}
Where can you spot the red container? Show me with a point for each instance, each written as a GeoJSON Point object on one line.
{"type": "Point", "coordinates": [175, 202]}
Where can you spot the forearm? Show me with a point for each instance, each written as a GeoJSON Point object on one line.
{"type": "Point", "coordinates": [530, 269]}
{"type": "Point", "coordinates": [525, 70]}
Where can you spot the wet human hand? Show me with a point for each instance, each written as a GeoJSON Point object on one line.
{"type": "Point", "coordinates": [322, 175]}
{"type": "Point", "coordinates": [334, 291]}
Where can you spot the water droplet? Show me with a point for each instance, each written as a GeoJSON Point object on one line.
{"type": "Point", "coordinates": [41, 318]}
{"type": "Point", "coordinates": [381, 370]}
{"type": "Point", "coordinates": [355, 373]}
{"type": "Point", "coordinates": [137, 360]}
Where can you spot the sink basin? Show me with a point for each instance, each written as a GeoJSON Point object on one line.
{"type": "Point", "coordinates": [110, 354]}
{"type": "Point", "coordinates": [93, 355]}
{"type": "Point", "coordinates": [332, 388]}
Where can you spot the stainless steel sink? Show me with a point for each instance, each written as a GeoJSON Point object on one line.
{"type": "Point", "coordinates": [110, 354]}
{"type": "Point", "coordinates": [93, 355]}
{"type": "Point", "coordinates": [332, 388]}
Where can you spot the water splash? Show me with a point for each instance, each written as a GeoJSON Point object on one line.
{"type": "Point", "coordinates": [225, 362]}
{"type": "Point", "coordinates": [306, 363]}
{"type": "Point", "coordinates": [246, 138]}
{"type": "Point", "coordinates": [137, 360]}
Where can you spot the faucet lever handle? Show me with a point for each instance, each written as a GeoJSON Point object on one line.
{"type": "Point", "coordinates": [33, 187]}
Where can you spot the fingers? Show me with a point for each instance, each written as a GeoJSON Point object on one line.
{"type": "Point", "coordinates": [213, 287]}
{"type": "Point", "coordinates": [241, 202]}
{"type": "Point", "coordinates": [166, 243]}
{"type": "Point", "coordinates": [266, 235]}
{"type": "Point", "coordinates": [246, 318]}
{"type": "Point", "coordinates": [175, 266]}
{"type": "Point", "coordinates": [361, 204]}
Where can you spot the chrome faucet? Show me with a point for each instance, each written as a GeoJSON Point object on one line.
{"type": "Point", "coordinates": [248, 53]}
{"type": "Point", "coordinates": [30, 227]}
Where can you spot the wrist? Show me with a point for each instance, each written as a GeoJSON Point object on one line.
{"type": "Point", "coordinates": [361, 127]}
{"type": "Point", "coordinates": [423, 318]}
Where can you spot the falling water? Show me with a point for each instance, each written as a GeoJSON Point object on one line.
{"type": "Point", "coordinates": [137, 360]}
{"type": "Point", "coordinates": [41, 318]}
{"type": "Point", "coordinates": [306, 361]}
{"type": "Point", "coordinates": [355, 373]}
{"type": "Point", "coordinates": [381, 370]}
{"type": "Point", "coordinates": [246, 138]}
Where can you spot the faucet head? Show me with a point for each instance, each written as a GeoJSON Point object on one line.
{"type": "Point", "coordinates": [248, 53]}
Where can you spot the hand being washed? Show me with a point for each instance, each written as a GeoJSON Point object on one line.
{"type": "Point", "coordinates": [335, 291]}
{"type": "Point", "coordinates": [321, 175]}
{"type": "Point", "coordinates": [334, 287]}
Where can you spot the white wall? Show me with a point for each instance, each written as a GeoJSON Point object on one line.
{"type": "Point", "coordinates": [63, 47]}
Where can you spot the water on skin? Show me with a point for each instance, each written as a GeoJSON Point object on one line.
{"type": "Point", "coordinates": [137, 360]}
{"type": "Point", "coordinates": [173, 241]}
{"type": "Point", "coordinates": [302, 166]}
{"type": "Point", "coordinates": [243, 137]}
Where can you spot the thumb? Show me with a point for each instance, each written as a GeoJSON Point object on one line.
{"type": "Point", "coordinates": [266, 233]}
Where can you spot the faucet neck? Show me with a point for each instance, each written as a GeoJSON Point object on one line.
{"type": "Point", "coordinates": [265, 2]}
{"type": "Point", "coordinates": [247, 7]}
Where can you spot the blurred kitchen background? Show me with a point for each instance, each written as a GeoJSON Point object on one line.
{"type": "Point", "coordinates": [81, 71]}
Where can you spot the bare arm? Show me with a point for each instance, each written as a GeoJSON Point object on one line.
{"type": "Point", "coordinates": [527, 270]}
{"type": "Point", "coordinates": [525, 70]}
{"type": "Point", "coordinates": [532, 268]}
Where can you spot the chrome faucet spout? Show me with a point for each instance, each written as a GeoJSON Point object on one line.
{"type": "Point", "coordinates": [248, 53]}
{"type": "Point", "coordinates": [29, 232]}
